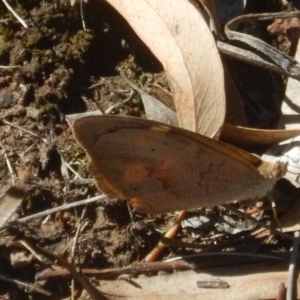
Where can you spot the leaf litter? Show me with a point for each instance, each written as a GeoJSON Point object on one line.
{"type": "Point", "coordinates": [62, 69]}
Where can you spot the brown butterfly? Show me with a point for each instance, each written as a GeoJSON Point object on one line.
{"type": "Point", "coordinates": [163, 168]}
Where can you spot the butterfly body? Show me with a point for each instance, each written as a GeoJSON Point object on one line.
{"type": "Point", "coordinates": [163, 168]}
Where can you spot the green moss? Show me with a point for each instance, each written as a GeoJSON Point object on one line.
{"type": "Point", "coordinates": [38, 101]}
{"type": "Point", "coordinates": [5, 36]}
{"type": "Point", "coordinates": [49, 107]}
{"type": "Point", "coordinates": [28, 201]}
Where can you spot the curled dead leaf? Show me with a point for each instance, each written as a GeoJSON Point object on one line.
{"type": "Point", "coordinates": [178, 36]}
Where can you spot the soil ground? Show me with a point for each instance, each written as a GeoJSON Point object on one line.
{"type": "Point", "coordinates": [58, 68]}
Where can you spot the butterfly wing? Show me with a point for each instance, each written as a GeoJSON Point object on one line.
{"type": "Point", "coordinates": [162, 168]}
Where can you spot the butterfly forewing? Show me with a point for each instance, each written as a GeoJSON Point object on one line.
{"type": "Point", "coordinates": [162, 168]}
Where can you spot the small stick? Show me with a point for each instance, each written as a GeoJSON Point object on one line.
{"type": "Point", "coordinates": [68, 166]}
{"type": "Point", "coordinates": [153, 255]}
{"type": "Point", "coordinates": [73, 249]}
{"type": "Point", "coordinates": [62, 207]}
{"type": "Point", "coordinates": [291, 292]}
{"type": "Point", "coordinates": [26, 285]}
{"type": "Point", "coordinates": [9, 165]}
{"type": "Point", "coordinates": [9, 67]}
{"type": "Point", "coordinates": [93, 292]}
{"type": "Point", "coordinates": [138, 268]}
{"type": "Point", "coordinates": [15, 14]}
{"type": "Point", "coordinates": [23, 129]}
{"type": "Point", "coordinates": [30, 249]}
{"type": "Point", "coordinates": [109, 110]}
{"type": "Point", "coordinates": [207, 254]}
{"type": "Point", "coordinates": [273, 230]}
{"type": "Point", "coordinates": [82, 15]}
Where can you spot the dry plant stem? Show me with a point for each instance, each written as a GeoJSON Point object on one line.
{"type": "Point", "coordinates": [255, 255]}
{"type": "Point", "coordinates": [82, 15]}
{"type": "Point", "coordinates": [94, 293]}
{"type": "Point", "coordinates": [9, 165]}
{"type": "Point", "coordinates": [15, 14]}
{"type": "Point", "coordinates": [4, 21]}
{"type": "Point", "coordinates": [114, 273]}
{"type": "Point", "coordinates": [28, 149]}
{"type": "Point", "coordinates": [63, 207]}
{"type": "Point", "coordinates": [45, 141]}
{"type": "Point", "coordinates": [23, 129]}
{"type": "Point", "coordinates": [110, 109]}
{"type": "Point", "coordinates": [153, 255]}
{"type": "Point", "coordinates": [9, 67]}
{"type": "Point", "coordinates": [73, 249]}
{"type": "Point", "coordinates": [273, 205]}
{"type": "Point", "coordinates": [291, 292]}
{"type": "Point", "coordinates": [69, 167]}
{"type": "Point", "coordinates": [30, 249]}
{"type": "Point", "coordinates": [26, 285]}
{"type": "Point", "coordinates": [273, 230]}
{"type": "Point", "coordinates": [276, 58]}
{"type": "Point", "coordinates": [139, 268]}
{"type": "Point", "coordinates": [131, 84]}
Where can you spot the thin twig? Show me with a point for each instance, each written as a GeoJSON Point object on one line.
{"type": "Point", "coordinates": [82, 16]}
{"type": "Point", "coordinates": [138, 268]}
{"type": "Point", "coordinates": [93, 292]}
{"type": "Point", "coordinates": [9, 165]}
{"type": "Point", "coordinates": [291, 291]}
{"type": "Point", "coordinates": [15, 14]}
{"type": "Point", "coordinates": [69, 166]}
{"type": "Point", "coordinates": [207, 254]}
{"type": "Point", "coordinates": [109, 110]}
{"type": "Point", "coordinates": [26, 285]}
{"type": "Point", "coordinates": [62, 207]}
{"type": "Point", "coordinates": [9, 67]}
{"type": "Point", "coordinates": [77, 176]}
{"type": "Point", "coordinates": [30, 249]}
{"type": "Point", "coordinates": [273, 230]}
{"type": "Point", "coordinates": [25, 130]}
{"type": "Point", "coordinates": [73, 250]}
{"type": "Point", "coordinates": [153, 255]}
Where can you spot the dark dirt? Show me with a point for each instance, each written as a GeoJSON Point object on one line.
{"type": "Point", "coordinates": [56, 68]}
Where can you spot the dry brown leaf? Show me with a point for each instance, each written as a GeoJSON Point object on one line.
{"type": "Point", "coordinates": [163, 95]}
{"type": "Point", "coordinates": [290, 108]}
{"type": "Point", "coordinates": [290, 119]}
{"type": "Point", "coordinates": [211, 10]}
{"type": "Point", "coordinates": [238, 135]}
{"type": "Point", "coordinates": [13, 196]}
{"type": "Point", "coordinates": [234, 106]}
{"type": "Point", "coordinates": [177, 34]}
{"type": "Point", "coordinates": [247, 283]}
{"type": "Point", "coordinates": [154, 109]}
{"type": "Point", "coordinates": [8, 205]}
{"type": "Point", "coordinates": [289, 27]}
